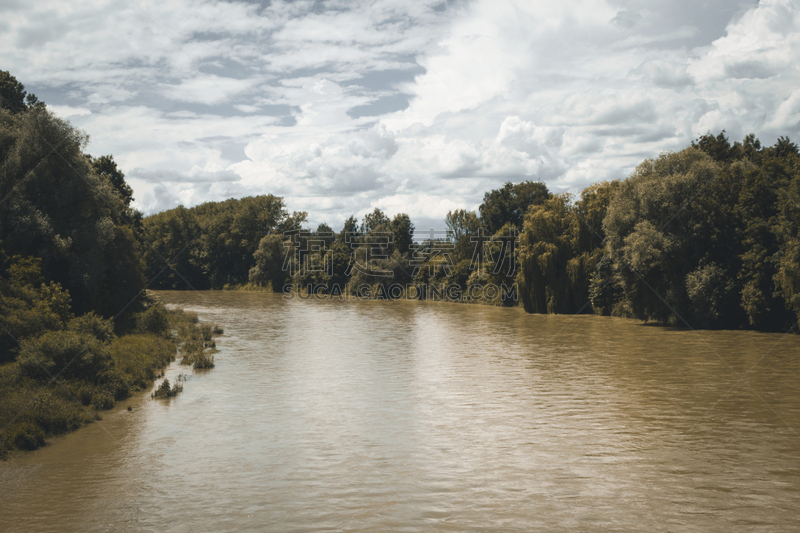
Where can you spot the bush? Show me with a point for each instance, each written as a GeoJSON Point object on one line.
{"type": "Point", "coordinates": [192, 346]}
{"type": "Point", "coordinates": [154, 321]}
{"type": "Point", "coordinates": [140, 357]}
{"type": "Point", "coordinates": [115, 384]}
{"type": "Point", "coordinates": [102, 400]}
{"type": "Point", "coordinates": [165, 391]}
{"type": "Point", "coordinates": [55, 410]}
{"type": "Point", "coordinates": [94, 325]}
{"type": "Point", "coordinates": [179, 316]}
{"type": "Point", "coordinates": [94, 369]}
{"type": "Point", "coordinates": [203, 361]}
{"type": "Point", "coordinates": [66, 354]}
{"type": "Point", "coordinates": [26, 436]}
{"type": "Point", "coordinates": [84, 393]}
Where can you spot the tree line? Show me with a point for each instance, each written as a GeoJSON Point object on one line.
{"type": "Point", "coordinates": [705, 237]}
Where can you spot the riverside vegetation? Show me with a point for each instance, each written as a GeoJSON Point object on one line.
{"type": "Point", "coordinates": [704, 237]}
{"type": "Point", "coordinates": [69, 369]}
{"type": "Point", "coordinates": [707, 237]}
{"type": "Point", "coordinates": [78, 332]}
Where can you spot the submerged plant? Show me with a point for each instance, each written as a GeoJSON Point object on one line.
{"type": "Point", "coordinates": [165, 390]}
{"type": "Point", "coordinates": [203, 361]}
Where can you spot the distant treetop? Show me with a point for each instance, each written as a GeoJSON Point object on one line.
{"type": "Point", "coordinates": [13, 96]}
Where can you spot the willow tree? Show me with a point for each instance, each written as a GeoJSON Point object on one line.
{"type": "Point", "coordinates": [544, 252]}
{"type": "Point", "coordinates": [587, 239]}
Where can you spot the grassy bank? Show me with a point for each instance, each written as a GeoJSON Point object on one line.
{"type": "Point", "coordinates": [62, 380]}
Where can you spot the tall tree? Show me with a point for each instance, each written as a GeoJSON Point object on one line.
{"type": "Point", "coordinates": [402, 231]}
{"type": "Point", "coordinates": [462, 225]}
{"type": "Point", "coordinates": [375, 221]}
{"type": "Point", "coordinates": [269, 267]}
{"type": "Point", "coordinates": [59, 209]}
{"type": "Point", "coordinates": [509, 204]}
{"type": "Point", "coordinates": [12, 93]}
{"type": "Point", "coordinates": [106, 167]}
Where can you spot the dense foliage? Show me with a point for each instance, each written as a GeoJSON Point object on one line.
{"type": "Point", "coordinates": [705, 237]}
{"type": "Point", "coordinates": [211, 245]}
{"type": "Point", "coordinates": [77, 332]}
{"type": "Point", "coordinates": [67, 209]}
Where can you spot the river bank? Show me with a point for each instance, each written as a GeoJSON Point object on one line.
{"type": "Point", "coordinates": [502, 295]}
{"type": "Point", "coordinates": [64, 380]}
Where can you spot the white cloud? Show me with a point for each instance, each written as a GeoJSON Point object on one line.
{"type": "Point", "coordinates": [65, 111]}
{"type": "Point", "coordinates": [207, 89]}
{"type": "Point", "coordinates": [196, 175]}
{"type": "Point", "coordinates": [568, 92]}
{"type": "Point", "coordinates": [787, 116]}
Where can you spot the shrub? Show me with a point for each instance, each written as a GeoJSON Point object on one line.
{"type": "Point", "coordinates": [94, 325]}
{"type": "Point", "coordinates": [55, 411]}
{"type": "Point", "coordinates": [84, 393]}
{"type": "Point", "coordinates": [203, 361]}
{"type": "Point", "coordinates": [102, 400]}
{"type": "Point", "coordinates": [192, 346]}
{"type": "Point", "coordinates": [66, 354]}
{"type": "Point", "coordinates": [26, 436]}
{"type": "Point", "coordinates": [94, 369]}
{"type": "Point", "coordinates": [139, 358]}
{"type": "Point", "coordinates": [179, 316]}
{"type": "Point", "coordinates": [165, 391]}
{"type": "Point", "coordinates": [115, 384]}
{"type": "Point", "coordinates": [154, 321]}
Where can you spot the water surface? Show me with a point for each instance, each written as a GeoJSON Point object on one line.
{"type": "Point", "coordinates": [422, 416]}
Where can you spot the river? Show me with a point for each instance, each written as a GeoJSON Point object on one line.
{"type": "Point", "coordinates": [424, 416]}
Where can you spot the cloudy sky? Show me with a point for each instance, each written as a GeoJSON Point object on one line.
{"type": "Point", "coordinates": [410, 106]}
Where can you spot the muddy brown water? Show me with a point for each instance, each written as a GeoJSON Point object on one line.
{"type": "Point", "coordinates": [423, 416]}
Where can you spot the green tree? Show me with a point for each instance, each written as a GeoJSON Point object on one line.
{"type": "Point", "coordinates": [766, 210]}
{"type": "Point", "coordinates": [59, 209]}
{"type": "Point", "coordinates": [106, 167]}
{"type": "Point", "coordinates": [462, 225]}
{"type": "Point", "coordinates": [587, 240]}
{"type": "Point", "coordinates": [349, 230]}
{"type": "Point", "coordinates": [545, 250]}
{"type": "Point", "coordinates": [212, 244]}
{"type": "Point", "coordinates": [672, 236]}
{"type": "Point", "coordinates": [402, 232]}
{"type": "Point", "coordinates": [13, 94]}
{"type": "Point", "coordinates": [173, 253]}
{"type": "Point", "coordinates": [375, 221]}
{"type": "Point", "coordinates": [509, 204]}
{"type": "Point", "coordinates": [269, 258]}
{"type": "Point", "coordinates": [28, 305]}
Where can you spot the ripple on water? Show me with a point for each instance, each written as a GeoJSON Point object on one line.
{"type": "Point", "coordinates": [364, 416]}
